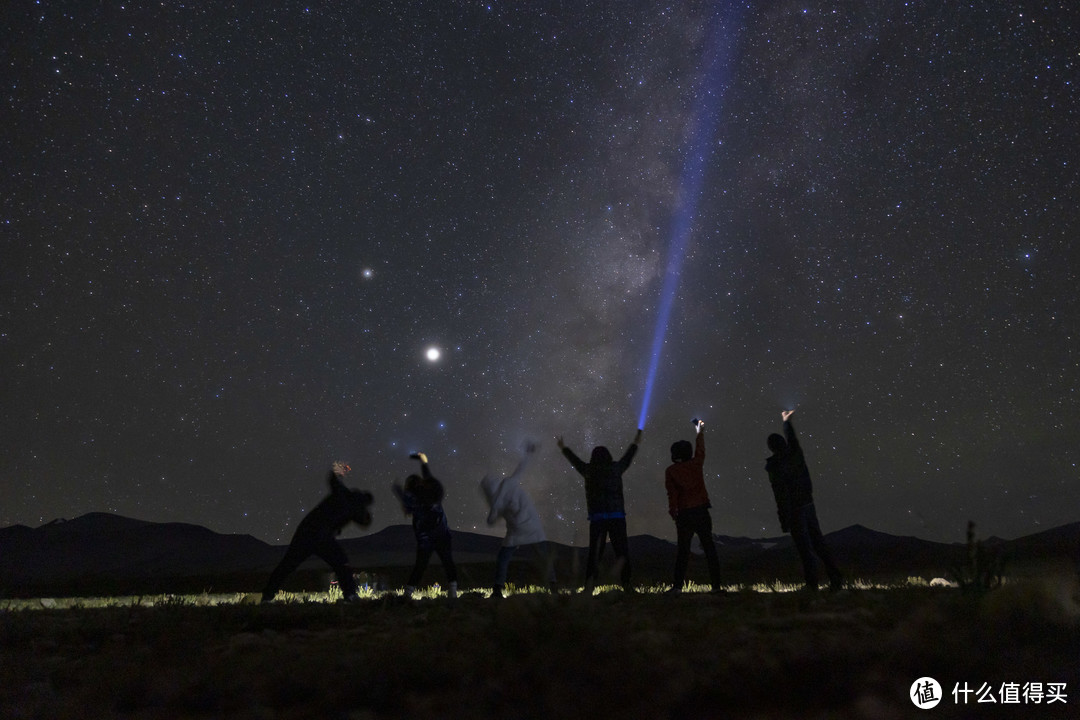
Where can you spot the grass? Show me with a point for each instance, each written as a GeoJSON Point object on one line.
{"type": "Point", "coordinates": [762, 650]}
{"type": "Point", "coordinates": [431, 592]}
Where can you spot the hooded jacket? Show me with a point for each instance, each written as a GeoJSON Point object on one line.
{"type": "Point", "coordinates": [790, 478]}
{"type": "Point", "coordinates": [508, 500]}
{"type": "Point", "coordinates": [685, 481]}
{"type": "Point", "coordinates": [603, 480]}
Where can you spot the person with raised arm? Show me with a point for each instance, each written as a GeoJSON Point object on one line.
{"type": "Point", "coordinates": [794, 493]}
{"type": "Point", "coordinates": [688, 505]}
{"type": "Point", "coordinates": [317, 535]}
{"type": "Point", "coordinates": [508, 500]}
{"type": "Point", "coordinates": [604, 500]}
{"type": "Point", "coordinates": [422, 497]}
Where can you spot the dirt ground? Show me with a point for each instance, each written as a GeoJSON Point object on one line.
{"type": "Point", "coordinates": [745, 654]}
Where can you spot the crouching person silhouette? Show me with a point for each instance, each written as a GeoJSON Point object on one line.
{"type": "Point", "coordinates": [317, 535]}
{"type": "Point", "coordinates": [791, 486]}
{"type": "Point", "coordinates": [422, 498]}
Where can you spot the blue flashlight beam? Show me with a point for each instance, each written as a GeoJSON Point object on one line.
{"type": "Point", "coordinates": [703, 128]}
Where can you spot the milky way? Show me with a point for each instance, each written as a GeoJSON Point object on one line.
{"type": "Point", "coordinates": [231, 236]}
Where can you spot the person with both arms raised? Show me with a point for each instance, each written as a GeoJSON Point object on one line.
{"type": "Point", "coordinates": [604, 499]}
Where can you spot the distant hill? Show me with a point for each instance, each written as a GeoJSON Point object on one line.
{"type": "Point", "coordinates": [101, 552]}
{"type": "Point", "coordinates": [102, 545]}
{"type": "Point", "coordinates": [395, 546]}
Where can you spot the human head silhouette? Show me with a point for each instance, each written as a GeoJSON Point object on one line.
{"type": "Point", "coordinates": [600, 455]}
{"type": "Point", "coordinates": [681, 451]}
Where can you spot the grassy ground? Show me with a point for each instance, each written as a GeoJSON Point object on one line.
{"type": "Point", "coordinates": [755, 652]}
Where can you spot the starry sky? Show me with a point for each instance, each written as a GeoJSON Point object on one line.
{"type": "Point", "coordinates": [231, 234]}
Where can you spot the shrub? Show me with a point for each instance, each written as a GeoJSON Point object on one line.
{"type": "Point", "coordinates": [981, 569]}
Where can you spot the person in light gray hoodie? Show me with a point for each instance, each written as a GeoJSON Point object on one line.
{"type": "Point", "coordinates": [508, 500]}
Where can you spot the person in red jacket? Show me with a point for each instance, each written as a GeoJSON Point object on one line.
{"type": "Point", "coordinates": [688, 505]}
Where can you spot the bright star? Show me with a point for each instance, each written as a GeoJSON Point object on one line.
{"type": "Point", "coordinates": [433, 354]}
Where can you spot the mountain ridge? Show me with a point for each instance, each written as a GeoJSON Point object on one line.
{"type": "Point", "coordinates": [97, 547]}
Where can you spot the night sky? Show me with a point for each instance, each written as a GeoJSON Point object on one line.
{"type": "Point", "coordinates": [231, 234]}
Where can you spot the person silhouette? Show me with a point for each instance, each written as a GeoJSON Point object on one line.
{"type": "Point", "coordinates": [422, 498]}
{"type": "Point", "coordinates": [794, 493]}
{"type": "Point", "coordinates": [508, 500]}
{"type": "Point", "coordinates": [604, 500]}
{"type": "Point", "coordinates": [688, 505]}
{"type": "Point", "coordinates": [317, 535]}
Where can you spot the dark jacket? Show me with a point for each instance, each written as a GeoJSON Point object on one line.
{"type": "Point", "coordinates": [603, 480]}
{"type": "Point", "coordinates": [342, 506]}
{"type": "Point", "coordinates": [423, 500]}
{"type": "Point", "coordinates": [790, 478]}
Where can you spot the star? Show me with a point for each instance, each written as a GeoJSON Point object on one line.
{"type": "Point", "coordinates": [217, 240]}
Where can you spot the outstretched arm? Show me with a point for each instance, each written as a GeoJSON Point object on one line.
{"type": "Point", "coordinates": [424, 469]}
{"type": "Point", "coordinates": [530, 450]}
{"type": "Point", "coordinates": [336, 475]}
{"type": "Point", "coordinates": [577, 462]}
{"type": "Point", "coordinates": [628, 456]}
{"type": "Point", "coordinates": [789, 430]}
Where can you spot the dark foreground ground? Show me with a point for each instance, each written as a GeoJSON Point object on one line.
{"type": "Point", "coordinates": [748, 654]}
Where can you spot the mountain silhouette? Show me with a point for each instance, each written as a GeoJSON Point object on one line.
{"type": "Point", "coordinates": [107, 545]}
{"type": "Point", "coordinates": [103, 552]}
